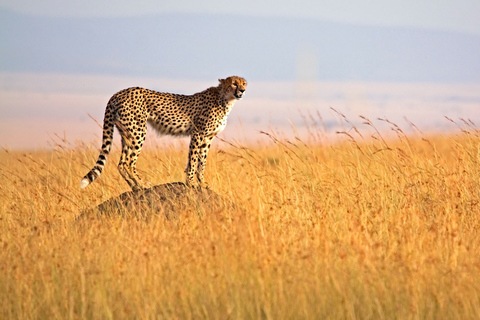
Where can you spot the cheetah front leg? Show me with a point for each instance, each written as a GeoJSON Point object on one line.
{"type": "Point", "coordinates": [192, 159]}
{"type": "Point", "coordinates": [202, 159]}
{"type": "Point", "coordinates": [197, 158]}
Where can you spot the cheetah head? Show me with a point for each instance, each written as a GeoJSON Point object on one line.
{"type": "Point", "coordinates": [233, 87]}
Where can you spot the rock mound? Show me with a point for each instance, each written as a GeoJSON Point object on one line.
{"type": "Point", "coordinates": [168, 199]}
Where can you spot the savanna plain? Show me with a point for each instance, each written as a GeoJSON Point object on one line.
{"type": "Point", "coordinates": [374, 225]}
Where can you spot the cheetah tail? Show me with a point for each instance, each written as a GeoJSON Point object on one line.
{"type": "Point", "coordinates": [108, 126]}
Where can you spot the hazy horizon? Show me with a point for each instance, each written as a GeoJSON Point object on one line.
{"type": "Point", "coordinates": [43, 106]}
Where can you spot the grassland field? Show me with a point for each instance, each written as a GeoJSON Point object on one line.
{"type": "Point", "coordinates": [377, 226]}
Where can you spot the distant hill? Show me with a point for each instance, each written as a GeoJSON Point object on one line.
{"type": "Point", "coordinates": [209, 46]}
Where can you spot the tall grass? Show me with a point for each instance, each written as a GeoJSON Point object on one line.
{"type": "Point", "coordinates": [377, 226]}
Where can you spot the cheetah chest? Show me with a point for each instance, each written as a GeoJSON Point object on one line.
{"type": "Point", "coordinates": [222, 122]}
{"type": "Point", "coordinates": [221, 125]}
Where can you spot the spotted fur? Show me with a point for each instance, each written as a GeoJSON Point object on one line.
{"type": "Point", "coordinates": [200, 116]}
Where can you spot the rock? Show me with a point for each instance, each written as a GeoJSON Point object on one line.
{"type": "Point", "coordinates": [170, 200]}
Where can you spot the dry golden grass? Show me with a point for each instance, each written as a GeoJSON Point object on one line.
{"type": "Point", "coordinates": [368, 228]}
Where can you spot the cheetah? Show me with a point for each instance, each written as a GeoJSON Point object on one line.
{"type": "Point", "coordinates": [200, 116]}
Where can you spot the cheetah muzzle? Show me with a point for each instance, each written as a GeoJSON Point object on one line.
{"type": "Point", "coordinates": [201, 116]}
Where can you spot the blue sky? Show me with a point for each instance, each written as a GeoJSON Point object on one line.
{"type": "Point", "coordinates": [454, 15]}
{"type": "Point", "coordinates": [395, 41]}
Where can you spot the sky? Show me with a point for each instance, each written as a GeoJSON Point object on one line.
{"type": "Point", "coordinates": [454, 15]}
{"type": "Point", "coordinates": [38, 107]}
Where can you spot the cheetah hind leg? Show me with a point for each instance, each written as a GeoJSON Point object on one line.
{"type": "Point", "coordinates": [127, 167]}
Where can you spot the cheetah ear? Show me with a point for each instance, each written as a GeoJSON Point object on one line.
{"type": "Point", "coordinates": [221, 80]}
